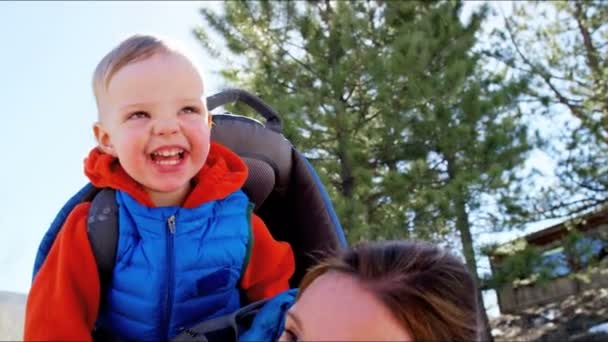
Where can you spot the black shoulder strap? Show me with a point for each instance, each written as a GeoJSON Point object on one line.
{"type": "Point", "coordinates": [102, 228]}
{"type": "Point", "coordinates": [222, 328]}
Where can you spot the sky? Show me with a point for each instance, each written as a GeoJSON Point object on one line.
{"type": "Point", "coordinates": [49, 51]}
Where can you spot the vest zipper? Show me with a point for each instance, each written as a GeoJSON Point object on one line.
{"type": "Point", "coordinates": [171, 223]}
{"type": "Point", "coordinates": [170, 280]}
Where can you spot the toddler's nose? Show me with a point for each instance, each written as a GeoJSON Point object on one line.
{"type": "Point", "coordinates": [166, 126]}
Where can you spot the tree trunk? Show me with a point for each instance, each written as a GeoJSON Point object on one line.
{"type": "Point", "coordinates": [347, 179]}
{"type": "Point", "coordinates": [464, 228]}
{"type": "Point", "coordinates": [463, 225]}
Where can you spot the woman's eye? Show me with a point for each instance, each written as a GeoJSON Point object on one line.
{"type": "Point", "coordinates": [190, 110]}
{"type": "Point", "coordinates": [289, 336]}
{"type": "Point", "coordinates": [138, 115]}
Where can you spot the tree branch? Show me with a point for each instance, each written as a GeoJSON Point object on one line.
{"type": "Point", "coordinates": [590, 50]}
{"type": "Point", "coordinates": [544, 75]}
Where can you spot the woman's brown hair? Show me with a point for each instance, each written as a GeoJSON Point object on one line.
{"type": "Point", "coordinates": [429, 291]}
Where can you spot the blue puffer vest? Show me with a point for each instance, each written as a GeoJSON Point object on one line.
{"type": "Point", "coordinates": [175, 266]}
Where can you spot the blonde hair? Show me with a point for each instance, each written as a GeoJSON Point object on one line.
{"type": "Point", "coordinates": [135, 48]}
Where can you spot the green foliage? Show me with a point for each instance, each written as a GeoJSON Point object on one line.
{"type": "Point", "coordinates": [524, 264]}
{"type": "Point", "coordinates": [511, 248]}
{"type": "Point", "coordinates": [521, 268]}
{"type": "Point", "coordinates": [562, 46]}
{"type": "Point", "coordinates": [578, 251]}
{"type": "Point", "coordinates": [387, 101]}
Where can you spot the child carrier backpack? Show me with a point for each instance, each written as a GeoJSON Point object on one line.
{"type": "Point", "coordinates": [284, 187]}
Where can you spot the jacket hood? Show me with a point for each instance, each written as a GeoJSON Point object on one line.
{"type": "Point", "coordinates": [223, 173]}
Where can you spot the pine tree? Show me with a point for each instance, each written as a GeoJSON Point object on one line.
{"type": "Point", "coordinates": [306, 57]}
{"type": "Point", "coordinates": [390, 103]}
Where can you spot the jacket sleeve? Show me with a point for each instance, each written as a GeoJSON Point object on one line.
{"type": "Point", "coordinates": [271, 264]}
{"type": "Point", "coordinates": [63, 301]}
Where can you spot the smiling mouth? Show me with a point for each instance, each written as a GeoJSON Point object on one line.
{"type": "Point", "coordinates": [168, 156]}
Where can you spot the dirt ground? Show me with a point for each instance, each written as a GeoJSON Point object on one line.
{"type": "Point", "coordinates": [569, 320]}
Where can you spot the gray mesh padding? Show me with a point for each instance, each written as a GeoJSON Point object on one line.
{"type": "Point", "coordinates": [260, 182]}
{"type": "Point", "coordinates": [267, 154]}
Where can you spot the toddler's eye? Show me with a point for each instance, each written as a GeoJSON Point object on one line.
{"type": "Point", "coordinates": [190, 110]}
{"type": "Point", "coordinates": [138, 115]}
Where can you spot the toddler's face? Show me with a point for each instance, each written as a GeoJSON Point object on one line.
{"type": "Point", "coordinates": [154, 120]}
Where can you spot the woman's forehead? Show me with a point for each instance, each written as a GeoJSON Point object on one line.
{"type": "Point", "coordinates": [335, 286]}
{"type": "Point", "coordinates": [337, 306]}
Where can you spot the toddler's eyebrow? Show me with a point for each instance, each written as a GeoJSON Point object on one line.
{"type": "Point", "coordinates": [143, 104]}
{"type": "Point", "coordinates": [191, 99]}
{"type": "Point", "coordinates": [134, 105]}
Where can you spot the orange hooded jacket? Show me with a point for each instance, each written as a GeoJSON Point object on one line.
{"type": "Point", "coordinates": [64, 298]}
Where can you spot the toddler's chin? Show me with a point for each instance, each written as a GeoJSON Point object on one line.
{"type": "Point", "coordinates": [174, 188]}
{"type": "Point", "coordinates": [169, 188]}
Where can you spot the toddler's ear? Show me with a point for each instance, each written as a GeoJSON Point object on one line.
{"type": "Point", "coordinates": [209, 119]}
{"type": "Point", "coordinates": [103, 139]}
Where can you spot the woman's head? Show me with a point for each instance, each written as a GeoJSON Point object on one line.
{"type": "Point", "coordinates": [392, 290]}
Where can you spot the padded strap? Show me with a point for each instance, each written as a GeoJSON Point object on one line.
{"type": "Point", "coordinates": [102, 228]}
{"type": "Point", "coordinates": [223, 328]}
{"type": "Point", "coordinates": [83, 195]}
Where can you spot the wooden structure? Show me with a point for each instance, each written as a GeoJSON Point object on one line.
{"type": "Point", "coordinates": [513, 299]}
